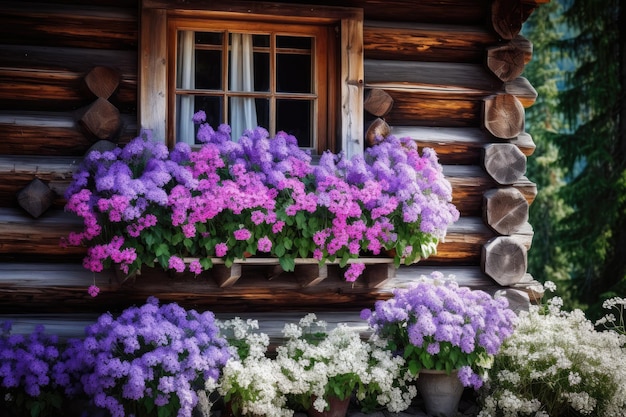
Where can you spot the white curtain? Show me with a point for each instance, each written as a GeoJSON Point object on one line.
{"type": "Point", "coordinates": [242, 110]}
{"type": "Point", "coordinates": [185, 79]}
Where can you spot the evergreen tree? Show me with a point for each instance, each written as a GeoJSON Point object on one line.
{"type": "Point", "coordinates": [587, 213]}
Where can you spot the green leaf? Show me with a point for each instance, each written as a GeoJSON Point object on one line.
{"type": "Point", "coordinates": [279, 250]}
{"type": "Point", "coordinates": [287, 263]}
{"type": "Point", "coordinates": [162, 250]}
{"type": "Point", "coordinates": [287, 243]}
{"type": "Point", "coordinates": [414, 367]}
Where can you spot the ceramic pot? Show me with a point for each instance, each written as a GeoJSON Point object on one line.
{"type": "Point", "coordinates": [441, 392]}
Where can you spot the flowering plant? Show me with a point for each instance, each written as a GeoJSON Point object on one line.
{"type": "Point", "coordinates": [322, 364]}
{"type": "Point", "coordinates": [557, 364]}
{"type": "Point", "coordinates": [149, 358]}
{"type": "Point", "coordinates": [251, 384]}
{"type": "Point", "coordinates": [143, 205]}
{"type": "Point", "coordinates": [436, 324]}
{"type": "Point", "coordinates": [30, 381]}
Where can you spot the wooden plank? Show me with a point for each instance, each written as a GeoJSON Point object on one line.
{"type": "Point", "coordinates": [351, 80]}
{"type": "Point", "coordinates": [152, 87]}
{"type": "Point", "coordinates": [53, 90]}
{"type": "Point", "coordinates": [458, 145]}
{"type": "Point", "coordinates": [426, 42]}
{"type": "Point", "coordinates": [50, 133]}
{"type": "Point", "coordinates": [442, 11]}
{"type": "Point", "coordinates": [69, 59]}
{"type": "Point", "coordinates": [59, 24]}
{"type": "Point", "coordinates": [461, 78]}
{"type": "Point", "coordinates": [452, 108]}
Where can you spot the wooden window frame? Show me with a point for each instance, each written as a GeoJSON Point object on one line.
{"type": "Point", "coordinates": [153, 84]}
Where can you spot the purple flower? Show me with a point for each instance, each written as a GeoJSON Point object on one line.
{"type": "Point", "coordinates": [448, 326]}
{"type": "Point", "coordinates": [242, 234]}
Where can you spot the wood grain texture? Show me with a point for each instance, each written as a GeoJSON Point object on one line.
{"type": "Point", "coordinates": [505, 210]}
{"type": "Point", "coordinates": [426, 42]}
{"type": "Point", "coordinates": [59, 25]}
{"type": "Point", "coordinates": [458, 145]}
{"type": "Point", "coordinates": [51, 133]}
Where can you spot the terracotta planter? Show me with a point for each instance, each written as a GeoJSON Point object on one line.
{"type": "Point", "coordinates": [441, 392]}
{"type": "Point", "coordinates": [337, 408]}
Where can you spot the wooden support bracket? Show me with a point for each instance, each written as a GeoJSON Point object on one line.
{"type": "Point", "coordinates": [226, 276]}
{"type": "Point", "coordinates": [309, 275]}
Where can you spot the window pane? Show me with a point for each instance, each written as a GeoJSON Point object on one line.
{"type": "Point", "coordinates": [294, 117]}
{"type": "Point", "coordinates": [248, 70]}
{"type": "Point", "coordinates": [294, 42]}
{"type": "Point", "coordinates": [209, 70]}
{"type": "Point", "coordinates": [261, 71]}
{"type": "Point", "coordinates": [212, 106]}
{"type": "Point", "coordinates": [247, 113]}
{"type": "Point", "coordinates": [293, 64]}
{"type": "Point", "coordinates": [209, 38]}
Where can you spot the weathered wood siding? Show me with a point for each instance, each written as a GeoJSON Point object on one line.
{"type": "Point", "coordinates": [452, 68]}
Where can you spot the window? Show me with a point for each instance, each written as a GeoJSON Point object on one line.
{"type": "Point", "coordinates": [280, 66]}
{"type": "Point", "coordinates": [266, 74]}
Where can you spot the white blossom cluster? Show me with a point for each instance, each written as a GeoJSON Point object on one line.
{"type": "Point", "coordinates": [312, 363]}
{"type": "Point", "coordinates": [557, 363]}
{"type": "Point", "coordinates": [318, 362]}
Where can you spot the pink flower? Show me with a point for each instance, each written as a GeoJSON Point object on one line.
{"type": "Point", "coordinates": [195, 267]}
{"type": "Point", "coordinates": [221, 249]}
{"type": "Point", "coordinates": [278, 226]}
{"type": "Point", "coordinates": [354, 271]}
{"type": "Point", "coordinates": [264, 244]}
{"type": "Point", "coordinates": [176, 264]}
{"type": "Point", "coordinates": [242, 234]}
{"type": "Point", "coordinates": [93, 290]}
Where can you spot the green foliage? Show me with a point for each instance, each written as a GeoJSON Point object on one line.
{"type": "Point", "coordinates": [579, 165]}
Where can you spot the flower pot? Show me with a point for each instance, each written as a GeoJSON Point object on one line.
{"type": "Point", "coordinates": [441, 392]}
{"type": "Point", "coordinates": [336, 408]}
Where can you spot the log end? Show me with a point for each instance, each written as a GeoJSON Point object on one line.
{"type": "Point", "coordinates": [36, 198]}
{"type": "Point", "coordinates": [505, 210]}
{"type": "Point", "coordinates": [505, 260]}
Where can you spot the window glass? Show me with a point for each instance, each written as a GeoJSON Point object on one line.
{"type": "Point", "coordinates": [294, 117]}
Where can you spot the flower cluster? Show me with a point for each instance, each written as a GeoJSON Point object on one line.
{"type": "Point", "coordinates": [436, 324]}
{"type": "Point", "coordinates": [143, 205]}
{"type": "Point", "coordinates": [320, 364]}
{"type": "Point", "coordinates": [30, 380]}
{"type": "Point", "coordinates": [555, 364]}
{"type": "Point", "coordinates": [150, 356]}
{"type": "Point", "coordinates": [252, 384]}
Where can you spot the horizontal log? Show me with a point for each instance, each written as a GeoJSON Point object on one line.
{"type": "Point", "coordinates": [50, 133]}
{"type": "Point", "coordinates": [426, 42]}
{"type": "Point", "coordinates": [440, 11]}
{"type": "Point", "coordinates": [507, 17]}
{"type": "Point", "coordinates": [47, 291]}
{"type": "Point", "coordinates": [434, 109]}
{"type": "Point", "coordinates": [69, 25]}
{"type": "Point", "coordinates": [54, 91]}
{"type": "Point", "coordinates": [69, 59]}
{"type": "Point", "coordinates": [458, 145]}
{"type": "Point", "coordinates": [462, 78]}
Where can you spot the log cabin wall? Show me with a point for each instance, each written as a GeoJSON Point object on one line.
{"type": "Point", "coordinates": [446, 73]}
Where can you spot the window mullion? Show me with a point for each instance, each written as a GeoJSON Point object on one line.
{"type": "Point", "coordinates": [225, 72]}
{"type": "Point", "coordinates": [272, 127]}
